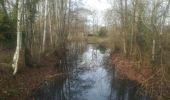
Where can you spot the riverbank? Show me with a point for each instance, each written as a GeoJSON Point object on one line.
{"type": "Point", "coordinates": [89, 78]}
{"type": "Point", "coordinates": [153, 80]}
{"type": "Point", "coordinates": [97, 40]}
{"type": "Point", "coordinates": [129, 68]}
{"type": "Point", "coordinates": [107, 41]}
{"type": "Point", "coordinates": [20, 86]}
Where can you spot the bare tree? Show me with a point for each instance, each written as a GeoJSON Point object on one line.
{"type": "Point", "coordinates": [19, 38]}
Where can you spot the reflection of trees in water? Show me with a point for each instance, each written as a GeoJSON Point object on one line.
{"type": "Point", "coordinates": [60, 88]}
{"type": "Point", "coordinates": [72, 86]}
{"type": "Point", "coordinates": [74, 50]}
{"type": "Point", "coordinates": [77, 85]}
{"type": "Point", "coordinates": [51, 90]}
{"type": "Point", "coordinates": [94, 57]}
{"type": "Point", "coordinates": [125, 89]}
{"type": "Point", "coordinates": [102, 48]}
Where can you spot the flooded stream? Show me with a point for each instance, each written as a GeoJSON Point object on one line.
{"type": "Point", "coordinates": [89, 77]}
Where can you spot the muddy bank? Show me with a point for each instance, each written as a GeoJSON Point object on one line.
{"type": "Point", "coordinates": [130, 69]}
{"type": "Point", "coordinates": [20, 86]}
{"type": "Point", "coordinates": [153, 80]}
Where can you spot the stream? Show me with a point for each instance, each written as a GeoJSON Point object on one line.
{"type": "Point", "coordinates": [89, 77]}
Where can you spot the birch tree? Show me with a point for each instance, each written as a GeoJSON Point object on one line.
{"type": "Point", "coordinates": [19, 38]}
{"type": "Point", "coordinates": [45, 26]}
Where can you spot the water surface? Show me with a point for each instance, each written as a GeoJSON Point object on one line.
{"type": "Point", "coordinates": [89, 77]}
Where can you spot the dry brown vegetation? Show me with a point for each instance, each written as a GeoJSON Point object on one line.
{"type": "Point", "coordinates": [153, 81]}
{"type": "Point", "coordinates": [20, 86]}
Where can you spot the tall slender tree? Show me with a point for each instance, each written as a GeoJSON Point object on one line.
{"type": "Point", "coordinates": [19, 38]}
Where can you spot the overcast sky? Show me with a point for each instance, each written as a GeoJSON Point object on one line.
{"type": "Point", "coordinates": [99, 6]}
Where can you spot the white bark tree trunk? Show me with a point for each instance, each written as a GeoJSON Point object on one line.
{"type": "Point", "coordinates": [124, 44]}
{"type": "Point", "coordinates": [153, 50]}
{"type": "Point", "coordinates": [45, 26]}
{"type": "Point", "coordinates": [50, 29]}
{"type": "Point", "coordinates": [19, 38]}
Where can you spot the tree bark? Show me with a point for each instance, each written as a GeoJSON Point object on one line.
{"type": "Point", "coordinates": [45, 26]}
{"type": "Point", "coordinates": [19, 38]}
{"type": "Point", "coordinates": [153, 50]}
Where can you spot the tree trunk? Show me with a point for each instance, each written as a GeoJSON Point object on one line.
{"type": "Point", "coordinates": [124, 44]}
{"type": "Point", "coordinates": [45, 25]}
{"type": "Point", "coordinates": [153, 50]}
{"type": "Point", "coordinates": [19, 39]}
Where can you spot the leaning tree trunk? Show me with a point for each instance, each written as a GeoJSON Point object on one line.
{"type": "Point", "coordinates": [18, 47]}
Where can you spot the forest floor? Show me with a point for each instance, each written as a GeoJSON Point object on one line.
{"type": "Point", "coordinates": [20, 86]}
{"type": "Point", "coordinates": [152, 80]}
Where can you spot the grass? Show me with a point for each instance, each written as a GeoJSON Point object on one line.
{"type": "Point", "coordinates": [96, 39]}
{"type": "Point", "coordinates": [106, 41]}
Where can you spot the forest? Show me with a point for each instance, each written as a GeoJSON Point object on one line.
{"type": "Point", "coordinates": [69, 50]}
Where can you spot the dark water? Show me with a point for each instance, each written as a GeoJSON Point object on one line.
{"type": "Point", "coordinates": [89, 77]}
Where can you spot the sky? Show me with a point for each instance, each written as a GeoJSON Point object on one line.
{"type": "Point", "coordinates": [99, 6]}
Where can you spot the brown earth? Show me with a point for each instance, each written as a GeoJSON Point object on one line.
{"type": "Point", "coordinates": [20, 86]}
{"type": "Point", "coordinates": [130, 69]}
{"type": "Point", "coordinates": [152, 80]}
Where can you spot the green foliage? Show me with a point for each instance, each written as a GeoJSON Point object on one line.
{"type": "Point", "coordinates": [7, 27]}
{"type": "Point", "coordinates": [4, 22]}
{"type": "Point", "coordinates": [102, 32]}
